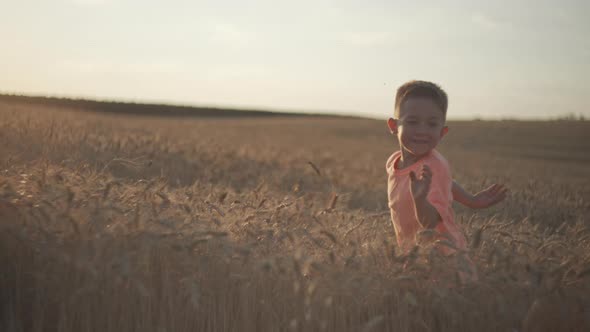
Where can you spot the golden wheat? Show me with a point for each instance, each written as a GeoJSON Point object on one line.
{"type": "Point", "coordinates": [115, 223]}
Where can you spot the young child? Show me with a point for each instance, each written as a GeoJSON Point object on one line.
{"type": "Point", "coordinates": [420, 187]}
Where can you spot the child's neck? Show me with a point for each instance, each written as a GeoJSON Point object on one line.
{"type": "Point", "coordinates": [407, 159]}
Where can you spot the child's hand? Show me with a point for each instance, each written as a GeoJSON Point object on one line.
{"type": "Point", "coordinates": [419, 187]}
{"type": "Point", "coordinates": [488, 197]}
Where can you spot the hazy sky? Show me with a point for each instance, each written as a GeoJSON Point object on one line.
{"type": "Point", "coordinates": [495, 58]}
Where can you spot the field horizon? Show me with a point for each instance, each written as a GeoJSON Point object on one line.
{"type": "Point", "coordinates": [171, 109]}
{"type": "Point", "coordinates": [113, 219]}
{"type": "Point", "coordinates": [153, 109]}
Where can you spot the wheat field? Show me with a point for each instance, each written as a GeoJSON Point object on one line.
{"type": "Point", "coordinates": [145, 223]}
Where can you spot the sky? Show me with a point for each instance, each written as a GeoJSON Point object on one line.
{"type": "Point", "coordinates": [495, 59]}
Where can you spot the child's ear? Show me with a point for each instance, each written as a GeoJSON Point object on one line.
{"type": "Point", "coordinates": [392, 124]}
{"type": "Point", "coordinates": [444, 131]}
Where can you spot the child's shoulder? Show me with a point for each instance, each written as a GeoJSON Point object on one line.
{"type": "Point", "coordinates": [437, 157]}
{"type": "Point", "coordinates": [437, 162]}
{"type": "Point", "coordinates": [434, 159]}
{"type": "Point", "coordinates": [391, 160]}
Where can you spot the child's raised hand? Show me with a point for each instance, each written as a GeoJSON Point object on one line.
{"type": "Point", "coordinates": [420, 186]}
{"type": "Point", "coordinates": [489, 196]}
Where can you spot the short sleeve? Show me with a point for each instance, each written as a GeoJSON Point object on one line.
{"type": "Point", "coordinates": [390, 161]}
{"type": "Point", "coordinates": [441, 196]}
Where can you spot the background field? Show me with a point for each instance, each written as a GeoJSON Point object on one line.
{"type": "Point", "coordinates": [130, 222]}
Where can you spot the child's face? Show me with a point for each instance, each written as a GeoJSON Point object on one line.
{"type": "Point", "coordinates": [420, 126]}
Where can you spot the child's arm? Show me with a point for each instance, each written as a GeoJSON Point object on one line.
{"type": "Point", "coordinates": [483, 199]}
{"type": "Point", "coordinates": [426, 214]}
{"type": "Point", "coordinates": [460, 195]}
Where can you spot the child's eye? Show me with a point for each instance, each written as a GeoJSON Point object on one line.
{"type": "Point", "coordinates": [433, 124]}
{"type": "Point", "coordinates": [411, 122]}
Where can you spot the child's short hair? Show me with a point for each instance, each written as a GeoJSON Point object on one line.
{"type": "Point", "coordinates": [421, 89]}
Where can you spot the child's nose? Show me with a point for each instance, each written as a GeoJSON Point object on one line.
{"type": "Point", "coordinates": [423, 129]}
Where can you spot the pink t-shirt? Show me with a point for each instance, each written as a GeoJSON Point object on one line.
{"type": "Point", "coordinates": [401, 204]}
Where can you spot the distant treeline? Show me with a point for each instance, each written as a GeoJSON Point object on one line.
{"type": "Point", "coordinates": [129, 108]}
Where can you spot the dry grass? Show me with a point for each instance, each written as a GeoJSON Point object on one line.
{"type": "Point", "coordinates": [112, 223]}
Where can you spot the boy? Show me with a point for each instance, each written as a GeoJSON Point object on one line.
{"type": "Point", "coordinates": [420, 187]}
